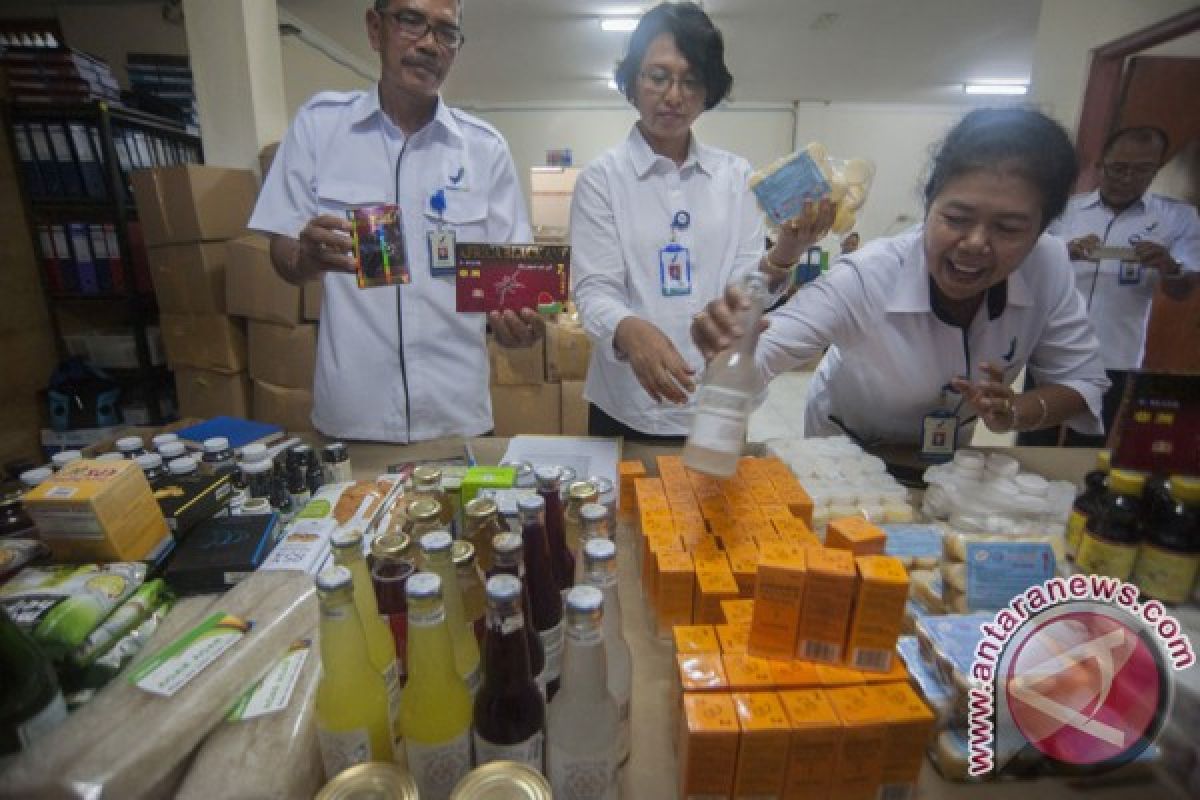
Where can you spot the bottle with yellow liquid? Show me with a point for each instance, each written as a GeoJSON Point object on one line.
{"type": "Point", "coordinates": [381, 646]}
{"type": "Point", "coordinates": [427, 483]}
{"type": "Point", "coordinates": [579, 493]}
{"type": "Point", "coordinates": [436, 712]}
{"type": "Point", "coordinates": [436, 554]}
{"type": "Point", "coordinates": [424, 516]}
{"type": "Point", "coordinates": [482, 522]}
{"type": "Point", "coordinates": [352, 700]}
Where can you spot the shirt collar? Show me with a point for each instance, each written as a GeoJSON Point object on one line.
{"type": "Point", "coordinates": [1092, 200]}
{"type": "Point", "coordinates": [644, 159]}
{"type": "Point", "coordinates": [913, 292]}
{"type": "Point", "coordinates": [367, 107]}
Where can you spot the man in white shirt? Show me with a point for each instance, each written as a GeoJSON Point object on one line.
{"type": "Point", "coordinates": [397, 364]}
{"type": "Point", "coordinates": [1122, 241]}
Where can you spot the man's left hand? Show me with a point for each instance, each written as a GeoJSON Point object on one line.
{"type": "Point", "coordinates": [517, 330]}
{"type": "Point", "coordinates": [1155, 256]}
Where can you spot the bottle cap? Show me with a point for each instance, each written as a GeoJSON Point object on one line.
{"type": "Point", "coordinates": [216, 444]}
{"type": "Point", "coordinates": [593, 512]}
{"type": "Point", "coordinates": [391, 546]}
{"type": "Point", "coordinates": [480, 507]}
{"type": "Point", "coordinates": [1124, 481]}
{"type": "Point", "coordinates": [503, 588]}
{"type": "Point", "coordinates": [547, 477]}
{"type": "Point", "coordinates": [423, 585]}
{"type": "Point", "coordinates": [160, 439]}
{"type": "Point", "coordinates": [585, 600]}
{"type": "Point", "coordinates": [506, 543]}
{"type": "Point", "coordinates": [128, 444]}
{"type": "Point", "coordinates": [65, 457]}
{"type": "Point", "coordinates": [600, 550]}
{"type": "Point", "coordinates": [437, 542]}
{"type": "Point", "coordinates": [255, 451]}
{"type": "Point", "coordinates": [255, 467]}
{"type": "Point", "coordinates": [334, 452]}
{"type": "Point", "coordinates": [332, 579]}
{"type": "Point", "coordinates": [603, 485]}
{"type": "Point", "coordinates": [111, 457]}
{"type": "Point", "coordinates": [182, 466]}
{"type": "Point", "coordinates": [1185, 489]}
{"type": "Point", "coordinates": [172, 449]}
{"type": "Point", "coordinates": [347, 538]}
{"type": "Point", "coordinates": [583, 492]}
{"type": "Point", "coordinates": [532, 504]}
{"type": "Point", "coordinates": [424, 508]}
{"type": "Point", "coordinates": [1104, 460]}
{"type": "Point", "coordinates": [462, 553]}
{"type": "Point", "coordinates": [149, 461]}
{"type": "Point", "coordinates": [32, 477]}
{"type": "Point", "coordinates": [427, 474]}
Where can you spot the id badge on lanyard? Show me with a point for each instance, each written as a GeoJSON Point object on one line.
{"type": "Point", "coordinates": [440, 240]}
{"type": "Point", "coordinates": [939, 434]}
{"type": "Point", "coordinates": [675, 262]}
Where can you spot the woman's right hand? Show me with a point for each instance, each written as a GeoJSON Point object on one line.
{"type": "Point", "coordinates": [659, 367]}
{"type": "Point", "coordinates": [716, 327]}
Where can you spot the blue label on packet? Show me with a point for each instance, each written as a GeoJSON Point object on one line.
{"type": "Point", "coordinates": [782, 193]}
{"type": "Point", "coordinates": [912, 540]}
{"type": "Point", "coordinates": [934, 691]}
{"type": "Point", "coordinates": [955, 636]}
{"type": "Point", "coordinates": [999, 571]}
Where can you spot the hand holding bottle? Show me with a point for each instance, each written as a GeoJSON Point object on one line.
{"type": "Point", "coordinates": [658, 365]}
{"type": "Point", "coordinates": [717, 327]}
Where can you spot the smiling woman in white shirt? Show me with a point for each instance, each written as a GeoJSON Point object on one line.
{"type": "Point", "coordinates": [927, 330]}
{"type": "Point", "coordinates": [659, 225]}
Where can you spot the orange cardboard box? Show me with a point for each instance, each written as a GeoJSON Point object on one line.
{"type": "Point", "coordinates": [858, 770]}
{"type": "Point", "coordinates": [897, 674]}
{"type": "Point", "coordinates": [746, 672]}
{"type": "Point", "coordinates": [707, 553]}
{"type": "Point", "coordinates": [668, 462]}
{"type": "Point", "coordinates": [828, 603]}
{"type": "Point", "coordinates": [708, 745]}
{"type": "Point", "coordinates": [738, 612]}
{"type": "Point", "coordinates": [833, 676]}
{"type": "Point", "coordinates": [651, 547]}
{"type": "Point", "coordinates": [713, 584]}
{"type": "Point", "coordinates": [655, 521]}
{"type": "Point", "coordinates": [797, 500]}
{"type": "Point", "coordinates": [696, 539]}
{"type": "Point", "coordinates": [700, 672]}
{"type": "Point", "coordinates": [751, 466]}
{"type": "Point", "coordinates": [910, 726]}
{"type": "Point", "coordinates": [878, 613]}
{"type": "Point", "coordinates": [714, 506]}
{"type": "Point", "coordinates": [815, 743]}
{"type": "Point", "coordinates": [676, 583]}
{"type": "Point", "coordinates": [756, 527]}
{"type": "Point", "coordinates": [627, 473]}
{"type": "Point", "coordinates": [778, 598]}
{"type": "Point", "coordinates": [763, 749]}
{"type": "Point", "coordinates": [743, 562]}
{"type": "Point", "coordinates": [775, 510]}
{"type": "Point", "coordinates": [856, 535]}
{"type": "Point", "coordinates": [795, 674]}
{"type": "Point", "coordinates": [764, 493]}
{"type": "Point", "coordinates": [733, 637]}
{"type": "Point", "coordinates": [695, 639]}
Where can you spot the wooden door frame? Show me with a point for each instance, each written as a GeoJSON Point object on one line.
{"type": "Point", "coordinates": [1102, 95]}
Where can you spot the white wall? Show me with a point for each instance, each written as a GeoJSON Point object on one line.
{"type": "Point", "coordinates": [306, 72]}
{"type": "Point", "coordinates": [1067, 32]}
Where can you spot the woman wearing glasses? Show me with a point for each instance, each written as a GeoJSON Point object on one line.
{"type": "Point", "coordinates": [660, 224]}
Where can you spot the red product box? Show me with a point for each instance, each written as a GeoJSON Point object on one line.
{"type": "Point", "coordinates": [499, 277]}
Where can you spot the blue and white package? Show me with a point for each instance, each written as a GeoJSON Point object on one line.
{"type": "Point", "coordinates": [916, 545]}
{"type": "Point", "coordinates": [999, 571]}
{"type": "Point", "coordinates": [782, 192]}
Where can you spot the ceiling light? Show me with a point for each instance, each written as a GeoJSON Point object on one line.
{"type": "Point", "coordinates": [618, 24]}
{"type": "Point", "coordinates": [996, 87]}
{"type": "Point", "coordinates": [612, 84]}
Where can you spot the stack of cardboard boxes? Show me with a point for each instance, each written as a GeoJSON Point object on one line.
{"type": "Point", "coordinates": [281, 332]}
{"type": "Point", "coordinates": [188, 213]}
{"type": "Point", "coordinates": [539, 389]}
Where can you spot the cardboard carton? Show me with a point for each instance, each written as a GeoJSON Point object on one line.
{"type": "Point", "coordinates": [828, 603]}
{"type": "Point", "coordinates": [189, 278]}
{"type": "Point", "coordinates": [97, 511]}
{"type": "Point", "coordinates": [778, 597]}
{"type": "Point", "coordinates": [856, 535]}
{"type": "Point", "coordinates": [193, 203]}
{"type": "Point", "coordinates": [291, 409]}
{"type": "Point", "coordinates": [204, 393]}
{"type": "Point", "coordinates": [763, 746]}
{"type": "Point", "coordinates": [254, 290]}
{"type": "Point", "coordinates": [283, 355]}
{"type": "Point", "coordinates": [695, 639]}
{"type": "Point", "coordinates": [568, 351]}
{"type": "Point", "coordinates": [676, 583]}
{"type": "Point", "coordinates": [207, 341]}
{"type": "Point", "coordinates": [526, 409]}
{"type": "Point", "coordinates": [815, 741]}
{"type": "Point", "coordinates": [878, 613]}
{"type": "Point", "coordinates": [574, 409]}
{"type": "Point", "coordinates": [708, 745]}
{"type": "Point", "coordinates": [858, 769]}
{"type": "Point", "coordinates": [732, 636]}
{"type": "Point", "coordinates": [517, 366]}
{"type": "Point", "coordinates": [747, 673]}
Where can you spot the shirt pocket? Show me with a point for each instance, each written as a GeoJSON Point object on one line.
{"type": "Point", "coordinates": [338, 197]}
{"type": "Point", "coordinates": [466, 214]}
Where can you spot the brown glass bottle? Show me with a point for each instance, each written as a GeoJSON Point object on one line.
{"type": "Point", "coordinates": [579, 494]}
{"type": "Point", "coordinates": [562, 563]}
{"type": "Point", "coordinates": [427, 483]}
{"type": "Point", "coordinates": [481, 523]}
{"type": "Point", "coordinates": [474, 600]}
{"type": "Point", "coordinates": [1170, 557]}
{"type": "Point", "coordinates": [545, 599]}
{"type": "Point", "coordinates": [1111, 537]}
{"type": "Point", "coordinates": [510, 560]}
{"type": "Point", "coordinates": [510, 715]}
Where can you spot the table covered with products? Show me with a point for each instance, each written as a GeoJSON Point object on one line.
{"type": "Point", "coordinates": [664, 751]}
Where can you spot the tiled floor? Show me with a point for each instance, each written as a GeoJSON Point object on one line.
{"type": "Point", "coordinates": [782, 414]}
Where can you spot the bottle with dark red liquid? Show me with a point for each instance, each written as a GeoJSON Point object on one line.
{"type": "Point", "coordinates": [510, 715]}
{"type": "Point", "coordinates": [392, 565]}
{"type": "Point", "coordinates": [545, 600]}
{"type": "Point", "coordinates": [509, 559]}
{"type": "Point", "coordinates": [562, 563]}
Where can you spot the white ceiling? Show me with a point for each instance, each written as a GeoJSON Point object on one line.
{"type": "Point", "coordinates": [900, 51]}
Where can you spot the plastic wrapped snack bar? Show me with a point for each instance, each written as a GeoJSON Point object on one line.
{"type": "Point", "coordinates": [267, 747]}
{"type": "Point", "coordinates": [142, 728]}
{"type": "Point", "coordinates": [811, 174]}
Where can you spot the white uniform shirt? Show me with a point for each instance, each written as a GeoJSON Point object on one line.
{"type": "Point", "coordinates": [620, 219]}
{"type": "Point", "coordinates": [396, 364]}
{"type": "Point", "coordinates": [1118, 301]}
{"type": "Point", "coordinates": [891, 358]}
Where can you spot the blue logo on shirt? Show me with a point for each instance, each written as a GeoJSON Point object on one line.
{"type": "Point", "coordinates": [458, 176]}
